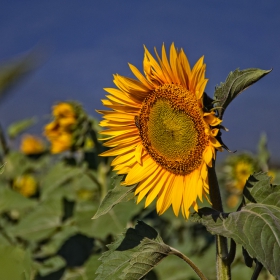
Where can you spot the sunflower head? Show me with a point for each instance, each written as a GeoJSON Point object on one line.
{"type": "Point", "coordinates": [162, 136]}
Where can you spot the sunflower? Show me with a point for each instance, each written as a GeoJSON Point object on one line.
{"type": "Point", "coordinates": [161, 135]}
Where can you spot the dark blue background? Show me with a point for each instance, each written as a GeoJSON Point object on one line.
{"type": "Point", "coordinates": [85, 42]}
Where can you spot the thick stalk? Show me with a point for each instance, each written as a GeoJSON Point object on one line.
{"type": "Point", "coordinates": [222, 265]}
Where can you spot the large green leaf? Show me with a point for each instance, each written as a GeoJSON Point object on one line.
{"type": "Point", "coordinates": [58, 175]}
{"type": "Point", "coordinates": [256, 226]}
{"type": "Point", "coordinates": [12, 200]}
{"type": "Point", "coordinates": [117, 195]}
{"type": "Point", "coordinates": [236, 82]}
{"type": "Point", "coordinates": [132, 256]}
{"type": "Point", "coordinates": [113, 222]}
{"type": "Point", "coordinates": [41, 223]}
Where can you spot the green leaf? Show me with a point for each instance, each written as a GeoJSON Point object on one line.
{"type": "Point", "coordinates": [91, 266]}
{"type": "Point", "coordinates": [18, 127]}
{"type": "Point", "coordinates": [40, 223]}
{"type": "Point", "coordinates": [256, 226]}
{"type": "Point", "coordinates": [236, 82]}
{"type": "Point", "coordinates": [133, 255]}
{"type": "Point", "coordinates": [12, 200]}
{"type": "Point", "coordinates": [113, 197]}
{"type": "Point", "coordinates": [57, 176]}
{"type": "Point", "coordinates": [51, 265]}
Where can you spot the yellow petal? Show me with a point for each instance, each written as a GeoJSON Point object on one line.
{"type": "Point", "coordinates": [178, 186]}
{"type": "Point", "coordinates": [162, 178]}
{"type": "Point", "coordinates": [140, 77]}
{"type": "Point", "coordinates": [173, 63]}
{"type": "Point", "coordinates": [140, 172]}
{"type": "Point", "coordinates": [119, 150]}
{"type": "Point", "coordinates": [122, 139]}
{"type": "Point", "coordinates": [138, 153]}
{"type": "Point", "coordinates": [150, 180]}
{"type": "Point", "coordinates": [165, 68]}
{"type": "Point", "coordinates": [121, 97]}
{"type": "Point", "coordinates": [167, 199]}
{"type": "Point", "coordinates": [211, 119]}
{"type": "Point", "coordinates": [122, 158]}
{"type": "Point", "coordinates": [164, 198]}
{"type": "Point", "coordinates": [208, 156]}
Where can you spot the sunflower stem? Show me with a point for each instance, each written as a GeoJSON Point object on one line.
{"type": "Point", "coordinates": [189, 262]}
{"type": "Point", "coordinates": [3, 142]}
{"type": "Point", "coordinates": [222, 265]}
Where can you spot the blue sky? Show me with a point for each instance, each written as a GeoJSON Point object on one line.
{"type": "Point", "coordinates": [85, 42]}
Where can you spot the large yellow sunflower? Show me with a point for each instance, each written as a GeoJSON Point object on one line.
{"type": "Point", "coordinates": [161, 134]}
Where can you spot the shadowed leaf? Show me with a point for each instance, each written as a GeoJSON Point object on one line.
{"type": "Point", "coordinates": [236, 82]}
{"type": "Point", "coordinates": [133, 255]}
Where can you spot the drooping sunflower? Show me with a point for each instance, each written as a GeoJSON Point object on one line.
{"type": "Point", "coordinates": [161, 135]}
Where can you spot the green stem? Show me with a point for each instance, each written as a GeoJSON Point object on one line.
{"type": "Point", "coordinates": [3, 142]}
{"type": "Point", "coordinates": [189, 262]}
{"type": "Point", "coordinates": [222, 265]}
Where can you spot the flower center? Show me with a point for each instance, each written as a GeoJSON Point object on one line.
{"type": "Point", "coordinates": [172, 129]}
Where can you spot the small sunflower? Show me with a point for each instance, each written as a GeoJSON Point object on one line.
{"type": "Point", "coordinates": [160, 133]}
